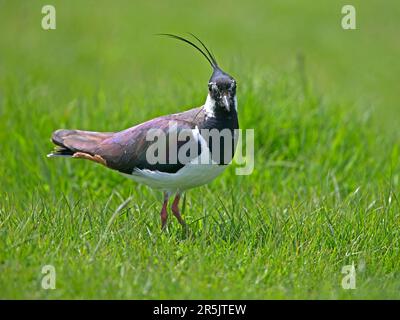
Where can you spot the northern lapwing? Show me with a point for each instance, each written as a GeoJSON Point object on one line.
{"type": "Point", "coordinates": [127, 151]}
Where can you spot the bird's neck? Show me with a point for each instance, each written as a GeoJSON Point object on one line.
{"type": "Point", "coordinates": [218, 117]}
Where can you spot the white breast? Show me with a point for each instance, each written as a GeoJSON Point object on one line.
{"type": "Point", "coordinates": [190, 176]}
{"type": "Point", "coordinates": [197, 172]}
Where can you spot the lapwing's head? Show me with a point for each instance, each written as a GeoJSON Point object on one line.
{"type": "Point", "coordinates": [221, 97]}
{"type": "Point", "coordinates": [222, 91]}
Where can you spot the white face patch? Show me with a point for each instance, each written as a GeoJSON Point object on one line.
{"type": "Point", "coordinates": [209, 107]}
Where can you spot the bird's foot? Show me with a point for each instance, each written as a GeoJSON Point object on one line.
{"type": "Point", "coordinates": [164, 213]}
{"type": "Point", "coordinates": [176, 211]}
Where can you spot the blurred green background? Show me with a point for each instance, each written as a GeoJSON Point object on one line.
{"type": "Point", "coordinates": [112, 45]}
{"type": "Point", "coordinates": [324, 103]}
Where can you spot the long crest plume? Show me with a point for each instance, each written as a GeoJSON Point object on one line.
{"type": "Point", "coordinates": [207, 53]}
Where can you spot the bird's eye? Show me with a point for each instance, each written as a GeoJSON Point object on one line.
{"type": "Point", "coordinates": [212, 86]}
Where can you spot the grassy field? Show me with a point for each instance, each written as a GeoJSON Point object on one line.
{"type": "Point", "coordinates": [325, 188]}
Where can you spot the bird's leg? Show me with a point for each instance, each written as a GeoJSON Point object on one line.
{"type": "Point", "coordinates": [175, 209]}
{"type": "Point", "coordinates": [164, 213]}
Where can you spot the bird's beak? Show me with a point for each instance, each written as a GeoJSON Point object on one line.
{"type": "Point", "coordinates": [225, 101]}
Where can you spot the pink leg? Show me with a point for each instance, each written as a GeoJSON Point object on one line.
{"type": "Point", "coordinates": [175, 209]}
{"type": "Point", "coordinates": [164, 213]}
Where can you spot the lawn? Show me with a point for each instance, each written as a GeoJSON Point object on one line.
{"type": "Point", "coordinates": [324, 193]}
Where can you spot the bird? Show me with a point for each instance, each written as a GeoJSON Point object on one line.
{"type": "Point", "coordinates": [127, 151]}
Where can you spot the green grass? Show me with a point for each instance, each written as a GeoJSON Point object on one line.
{"type": "Point", "coordinates": [324, 192]}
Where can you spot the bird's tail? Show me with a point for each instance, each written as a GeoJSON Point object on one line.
{"type": "Point", "coordinates": [78, 144]}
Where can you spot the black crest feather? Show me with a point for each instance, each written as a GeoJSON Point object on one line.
{"type": "Point", "coordinates": [207, 54]}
